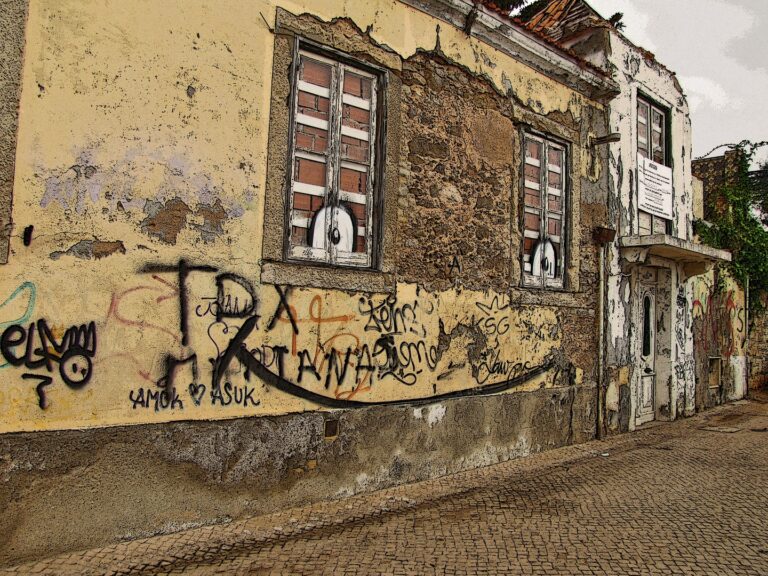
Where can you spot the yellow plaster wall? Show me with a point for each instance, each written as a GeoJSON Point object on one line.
{"type": "Point", "coordinates": [719, 314]}
{"type": "Point", "coordinates": [130, 108]}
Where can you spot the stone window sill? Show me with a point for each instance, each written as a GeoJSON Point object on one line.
{"type": "Point", "coordinates": [322, 276]}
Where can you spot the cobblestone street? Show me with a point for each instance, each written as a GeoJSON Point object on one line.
{"type": "Point", "coordinates": [689, 497]}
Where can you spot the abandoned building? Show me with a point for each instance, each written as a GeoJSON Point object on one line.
{"type": "Point", "coordinates": [274, 252]}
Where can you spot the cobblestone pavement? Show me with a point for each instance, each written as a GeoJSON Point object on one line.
{"type": "Point", "coordinates": [689, 497]}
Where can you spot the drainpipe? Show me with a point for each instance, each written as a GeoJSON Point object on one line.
{"type": "Point", "coordinates": [746, 343]}
{"type": "Point", "coordinates": [603, 236]}
{"type": "Point", "coordinates": [601, 346]}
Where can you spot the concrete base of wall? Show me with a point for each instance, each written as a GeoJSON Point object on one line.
{"type": "Point", "coordinates": [63, 491]}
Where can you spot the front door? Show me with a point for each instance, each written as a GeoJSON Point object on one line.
{"type": "Point", "coordinates": [646, 390]}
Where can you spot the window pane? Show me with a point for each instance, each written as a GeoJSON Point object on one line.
{"type": "Point", "coordinates": [532, 198]}
{"type": "Point", "coordinates": [315, 72]}
{"type": "Point", "coordinates": [311, 139]}
{"type": "Point", "coordinates": [554, 203]}
{"type": "Point", "coordinates": [642, 112]}
{"type": "Point", "coordinates": [354, 150]}
{"type": "Point", "coordinates": [359, 217]}
{"type": "Point", "coordinates": [551, 261]}
{"type": "Point", "coordinates": [533, 149]}
{"type": "Point", "coordinates": [657, 136]}
{"type": "Point", "coordinates": [656, 140]}
{"type": "Point", "coordinates": [532, 221]}
{"type": "Point", "coordinates": [658, 120]}
{"type": "Point", "coordinates": [532, 173]}
{"type": "Point", "coordinates": [553, 226]}
{"type": "Point", "coordinates": [647, 326]}
{"type": "Point", "coordinates": [304, 231]}
{"type": "Point", "coordinates": [555, 157]}
{"type": "Point", "coordinates": [554, 180]}
{"type": "Point", "coordinates": [642, 129]}
{"type": "Point", "coordinates": [310, 172]}
{"type": "Point", "coordinates": [355, 85]}
{"type": "Point", "coordinates": [529, 247]}
{"type": "Point", "coordinates": [355, 117]}
{"type": "Point", "coordinates": [353, 181]}
{"type": "Point", "coordinates": [313, 105]}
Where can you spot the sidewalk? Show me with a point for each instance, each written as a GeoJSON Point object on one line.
{"type": "Point", "coordinates": [688, 497]}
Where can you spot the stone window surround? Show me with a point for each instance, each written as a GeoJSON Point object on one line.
{"type": "Point", "coordinates": [528, 280]}
{"type": "Point", "coordinates": [290, 31]}
{"type": "Point", "coordinates": [531, 123]}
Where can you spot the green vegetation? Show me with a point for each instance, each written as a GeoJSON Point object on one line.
{"type": "Point", "coordinates": [735, 224]}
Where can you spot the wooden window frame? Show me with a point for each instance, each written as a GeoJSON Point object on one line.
{"type": "Point", "coordinates": [547, 141]}
{"type": "Point", "coordinates": [658, 225]}
{"type": "Point", "coordinates": [332, 193]}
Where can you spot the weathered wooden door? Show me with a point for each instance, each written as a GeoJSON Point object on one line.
{"type": "Point", "coordinates": [646, 401]}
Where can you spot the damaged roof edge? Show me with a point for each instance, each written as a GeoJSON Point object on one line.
{"type": "Point", "coordinates": [551, 15]}
{"type": "Point", "coordinates": [513, 39]}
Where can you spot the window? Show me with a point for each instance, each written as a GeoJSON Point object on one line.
{"type": "Point", "coordinates": [652, 144]}
{"type": "Point", "coordinates": [333, 167]}
{"type": "Point", "coordinates": [544, 201]}
{"type": "Point", "coordinates": [647, 326]}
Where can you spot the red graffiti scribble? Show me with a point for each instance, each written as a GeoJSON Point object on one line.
{"type": "Point", "coordinates": [117, 300]}
{"type": "Point", "coordinates": [718, 324]}
{"type": "Point", "coordinates": [315, 317]}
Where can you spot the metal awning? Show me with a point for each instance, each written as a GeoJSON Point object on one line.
{"type": "Point", "coordinates": [696, 258]}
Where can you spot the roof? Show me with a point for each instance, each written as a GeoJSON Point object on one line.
{"type": "Point", "coordinates": [559, 18]}
{"type": "Point", "coordinates": [542, 35]}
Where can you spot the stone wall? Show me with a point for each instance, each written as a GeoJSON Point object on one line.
{"type": "Point", "coordinates": [716, 172]}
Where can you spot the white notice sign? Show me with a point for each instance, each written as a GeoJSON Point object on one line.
{"type": "Point", "coordinates": [654, 187]}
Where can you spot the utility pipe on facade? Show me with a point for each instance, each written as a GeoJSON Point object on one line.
{"type": "Point", "coordinates": [603, 236]}
{"type": "Point", "coordinates": [746, 343]}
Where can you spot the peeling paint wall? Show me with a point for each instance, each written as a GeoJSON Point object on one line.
{"type": "Point", "coordinates": [636, 73]}
{"type": "Point", "coordinates": [719, 339]}
{"type": "Point", "coordinates": [141, 210]}
{"type": "Point", "coordinates": [139, 287]}
{"type": "Point", "coordinates": [683, 347]}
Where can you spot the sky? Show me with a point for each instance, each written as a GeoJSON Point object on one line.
{"type": "Point", "coordinates": [719, 50]}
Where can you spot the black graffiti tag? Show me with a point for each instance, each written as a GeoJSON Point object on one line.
{"type": "Point", "coordinates": [36, 348]}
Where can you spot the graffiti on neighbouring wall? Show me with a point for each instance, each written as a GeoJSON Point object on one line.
{"type": "Point", "coordinates": [719, 318]}
{"type": "Point", "coordinates": [195, 338]}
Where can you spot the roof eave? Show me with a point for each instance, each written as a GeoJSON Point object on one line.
{"type": "Point", "coordinates": [514, 40]}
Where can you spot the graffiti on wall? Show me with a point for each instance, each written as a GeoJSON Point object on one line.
{"type": "Point", "coordinates": [719, 317]}
{"type": "Point", "coordinates": [192, 337]}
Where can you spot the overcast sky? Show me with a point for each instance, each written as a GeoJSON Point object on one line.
{"type": "Point", "coordinates": [719, 50]}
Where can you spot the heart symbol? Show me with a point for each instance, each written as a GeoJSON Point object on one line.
{"type": "Point", "coordinates": [218, 333]}
{"type": "Point", "coordinates": [196, 391]}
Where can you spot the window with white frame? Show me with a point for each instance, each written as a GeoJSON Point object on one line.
{"type": "Point", "coordinates": [331, 207]}
{"type": "Point", "coordinates": [544, 215]}
{"type": "Point", "coordinates": [651, 144]}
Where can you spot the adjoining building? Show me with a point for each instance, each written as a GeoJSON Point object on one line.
{"type": "Point", "coordinates": [674, 336]}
